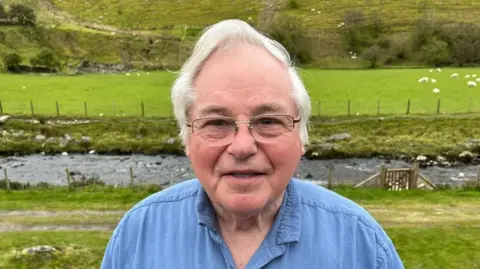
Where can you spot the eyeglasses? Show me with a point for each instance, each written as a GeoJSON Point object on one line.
{"type": "Point", "coordinates": [219, 131]}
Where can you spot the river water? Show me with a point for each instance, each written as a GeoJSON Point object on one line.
{"type": "Point", "coordinates": [168, 169]}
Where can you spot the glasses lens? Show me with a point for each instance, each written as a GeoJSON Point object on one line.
{"type": "Point", "coordinates": [215, 131]}
{"type": "Point", "coordinates": [267, 128]}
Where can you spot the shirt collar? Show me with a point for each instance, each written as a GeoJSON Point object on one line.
{"type": "Point", "coordinates": [287, 224]}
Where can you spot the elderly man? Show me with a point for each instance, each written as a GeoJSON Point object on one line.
{"type": "Point", "coordinates": [243, 114]}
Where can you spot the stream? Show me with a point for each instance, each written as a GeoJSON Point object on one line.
{"type": "Point", "coordinates": [167, 169]}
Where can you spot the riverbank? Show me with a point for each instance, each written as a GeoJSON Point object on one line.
{"type": "Point", "coordinates": [430, 229]}
{"type": "Point", "coordinates": [431, 140]}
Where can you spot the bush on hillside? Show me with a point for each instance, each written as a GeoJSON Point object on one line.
{"type": "Point", "coordinates": [289, 31]}
{"type": "Point", "coordinates": [22, 14]}
{"type": "Point", "coordinates": [3, 12]}
{"type": "Point", "coordinates": [45, 58]}
{"type": "Point", "coordinates": [373, 55]}
{"type": "Point", "coordinates": [436, 52]}
{"type": "Point", "coordinates": [12, 61]}
{"type": "Point", "coordinates": [360, 32]}
{"type": "Point", "coordinates": [463, 40]}
{"type": "Point", "coordinates": [293, 4]}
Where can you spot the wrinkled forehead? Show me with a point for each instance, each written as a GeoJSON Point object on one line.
{"type": "Point", "coordinates": [244, 80]}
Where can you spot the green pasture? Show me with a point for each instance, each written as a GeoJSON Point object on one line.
{"type": "Point", "coordinates": [385, 91]}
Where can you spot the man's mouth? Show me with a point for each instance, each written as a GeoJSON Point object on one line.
{"type": "Point", "coordinates": [245, 175]}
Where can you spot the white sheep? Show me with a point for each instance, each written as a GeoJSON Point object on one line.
{"type": "Point", "coordinates": [454, 75]}
{"type": "Point", "coordinates": [431, 70]}
{"type": "Point", "coordinates": [474, 75]}
{"type": "Point", "coordinates": [423, 80]}
{"type": "Point", "coordinates": [471, 83]}
{"type": "Point", "coordinates": [436, 90]}
{"type": "Point", "coordinates": [439, 70]}
{"type": "Point", "coordinates": [467, 76]}
{"type": "Point", "coordinates": [478, 79]}
{"type": "Point", "coordinates": [434, 81]}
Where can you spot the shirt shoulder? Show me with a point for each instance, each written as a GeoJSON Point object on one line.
{"type": "Point", "coordinates": [314, 197]}
{"type": "Point", "coordinates": [178, 192]}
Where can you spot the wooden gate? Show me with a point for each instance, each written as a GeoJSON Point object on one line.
{"type": "Point", "coordinates": [398, 179]}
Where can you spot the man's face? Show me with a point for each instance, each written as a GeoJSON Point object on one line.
{"type": "Point", "coordinates": [242, 82]}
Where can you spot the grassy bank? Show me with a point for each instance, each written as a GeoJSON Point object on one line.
{"type": "Point", "coordinates": [430, 229]}
{"type": "Point", "coordinates": [109, 198]}
{"type": "Point", "coordinates": [370, 92]}
{"type": "Point", "coordinates": [395, 137]}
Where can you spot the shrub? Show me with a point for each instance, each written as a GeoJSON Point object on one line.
{"type": "Point", "coordinates": [12, 61]}
{"type": "Point", "coordinates": [436, 52]}
{"type": "Point", "coordinates": [22, 14]}
{"type": "Point", "coordinates": [289, 31]}
{"type": "Point", "coordinates": [3, 12]}
{"type": "Point", "coordinates": [46, 58]}
{"type": "Point", "coordinates": [464, 42]}
{"type": "Point", "coordinates": [372, 55]}
{"type": "Point", "coordinates": [293, 4]}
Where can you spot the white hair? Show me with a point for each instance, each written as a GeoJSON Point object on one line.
{"type": "Point", "coordinates": [218, 36]}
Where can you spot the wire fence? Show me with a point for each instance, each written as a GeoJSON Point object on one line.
{"type": "Point", "coordinates": [319, 108]}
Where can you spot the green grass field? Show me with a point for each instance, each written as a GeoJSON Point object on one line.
{"type": "Point", "coordinates": [430, 229]}
{"type": "Point", "coordinates": [330, 91]}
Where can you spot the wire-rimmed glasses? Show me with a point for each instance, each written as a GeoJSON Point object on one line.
{"type": "Point", "coordinates": [265, 129]}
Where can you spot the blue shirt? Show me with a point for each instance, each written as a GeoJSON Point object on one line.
{"type": "Point", "coordinates": [315, 228]}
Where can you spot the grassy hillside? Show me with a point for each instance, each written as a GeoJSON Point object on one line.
{"type": "Point", "coordinates": [120, 31]}
{"type": "Point", "coordinates": [316, 14]}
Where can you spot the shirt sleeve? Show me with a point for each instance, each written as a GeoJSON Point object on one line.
{"type": "Point", "coordinates": [388, 257]}
{"type": "Point", "coordinates": [111, 255]}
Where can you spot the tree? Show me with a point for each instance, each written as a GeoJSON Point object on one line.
{"type": "Point", "coordinates": [3, 12]}
{"type": "Point", "coordinates": [12, 61]}
{"type": "Point", "coordinates": [436, 52]}
{"type": "Point", "coordinates": [372, 55]}
{"type": "Point", "coordinates": [289, 32]}
{"type": "Point", "coordinates": [45, 58]}
{"type": "Point", "coordinates": [356, 34]}
{"type": "Point", "coordinates": [22, 14]}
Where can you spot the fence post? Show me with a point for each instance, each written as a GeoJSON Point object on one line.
{"type": "Point", "coordinates": [7, 182]}
{"type": "Point", "coordinates": [131, 177]}
{"type": "Point", "coordinates": [438, 106]}
{"type": "Point", "coordinates": [408, 107]}
{"type": "Point", "coordinates": [329, 182]}
{"type": "Point", "coordinates": [143, 110]}
{"type": "Point", "coordinates": [1, 107]}
{"type": "Point", "coordinates": [383, 176]}
{"type": "Point", "coordinates": [68, 179]}
{"type": "Point", "coordinates": [31, 108]}
{"type": "Point", "coordinates": [58, 109]}
{"type": "Point", "coordinates": [478, 176]}
{"type": "Point", "coordinates": [378, 107]}
{"type": "Point", "coordinates": [348, 107]}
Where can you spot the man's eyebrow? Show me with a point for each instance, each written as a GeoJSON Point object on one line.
{"type": "Point", "coordinates": [268, 108]}
{"type": "Point", "coordinates": [213, 109]}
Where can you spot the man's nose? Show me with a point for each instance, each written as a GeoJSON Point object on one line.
{"type": "Point", "coordinates": [243, 144]}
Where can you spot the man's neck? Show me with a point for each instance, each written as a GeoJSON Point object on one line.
{"type": "Point", "coordinates": [254, 223]}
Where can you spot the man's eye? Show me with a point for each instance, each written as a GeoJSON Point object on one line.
{"type": "Point", "coordinates": [217, 123]}
{"type": "Point", "coordinates": [268, 121]}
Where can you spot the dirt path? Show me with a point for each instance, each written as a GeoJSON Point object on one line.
{"type": "Point", "coordinates": [388, 216]}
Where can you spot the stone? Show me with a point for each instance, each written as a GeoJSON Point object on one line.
{"type": "Point", "coordinates": [4, 118]}
{"type": "Point", "coordinates": [64, 153]}
{"type": "Point", "coordinates": [91, 152]}
{"type": "Point", "coordinates": [421, 158]}
{"type": "Point", "coordinates": [40, 138]}
{"type": "Point", "coordinates": [4, 133]}
{"type": "Point", "coordinates": [171, 141]}
{"type": "Point", "coordinates": [339, 137]}
{"type": "Point", "coordinates": [85, 140]}
{"type": "Point", "coordinates": [39, 249]}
